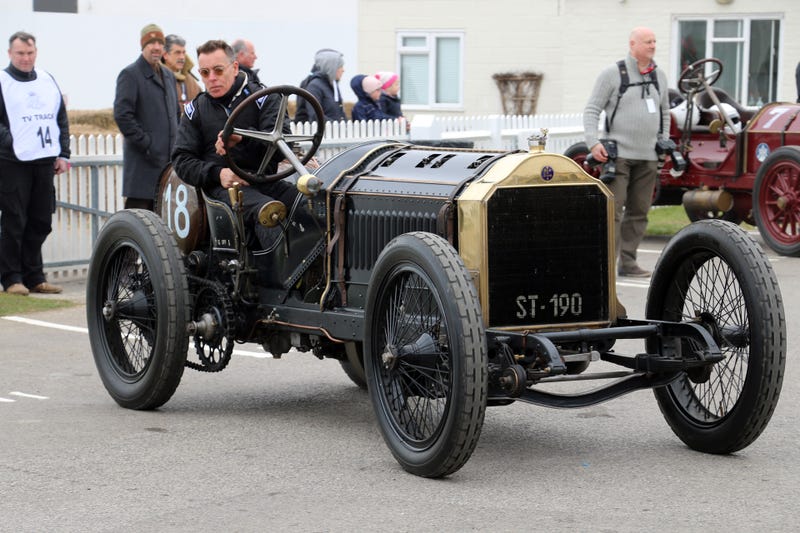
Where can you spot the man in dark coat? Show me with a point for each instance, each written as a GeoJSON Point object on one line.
{"type": "Point", "coordinates": [146, 111]}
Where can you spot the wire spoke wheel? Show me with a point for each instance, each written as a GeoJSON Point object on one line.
{"type": "Point", "coordinates": [425, 355]}
{"type": "Point", "coordinates": [415, 377]}
{"type": "Point", "coordinates": [137, 309]}
{"type": "Point", "coordinates": [714, 274]}
{"type": "Point", "coordinates": [129, 296]}
{"type": "Point", "coordinates": [710, 287]}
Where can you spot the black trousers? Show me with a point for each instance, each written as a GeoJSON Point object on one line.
{"type": "Point", "coordinates": [27, 204]}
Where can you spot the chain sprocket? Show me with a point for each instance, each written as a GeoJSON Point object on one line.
{"type": "Point", "coordinates": [211, 300]}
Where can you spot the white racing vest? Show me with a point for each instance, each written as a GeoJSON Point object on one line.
{"type": "Point", "coordinates": [32, 108]}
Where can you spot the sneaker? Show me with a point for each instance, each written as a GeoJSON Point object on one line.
{"type": "Point", "coordinates": [47, 288]}
{"type": "Point", "coordinates": [634, 272]}
{"type": "Point", "coordinates": [17, 288]}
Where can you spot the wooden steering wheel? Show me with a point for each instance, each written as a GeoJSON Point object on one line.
{"type": "Point", "coordinates": [693, 78]}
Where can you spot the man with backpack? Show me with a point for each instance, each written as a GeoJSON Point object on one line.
{"type": "Point", "coordinates": [633, 93]}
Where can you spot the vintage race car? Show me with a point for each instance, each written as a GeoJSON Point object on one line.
{"type": "Point", "coordinates": [741, 164]}
{"type": "Point", "coordinates": [444, 280]}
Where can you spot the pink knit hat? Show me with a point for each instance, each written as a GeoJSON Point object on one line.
{"type": "Point", "coordinates": [370, 83]}
{"type": "Point", "coordinates": [387, 79]}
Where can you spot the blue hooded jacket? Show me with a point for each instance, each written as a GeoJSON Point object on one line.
{"type": "Point", "coordinates": [366, 108]}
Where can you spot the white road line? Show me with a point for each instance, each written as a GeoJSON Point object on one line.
{"type": "Point", "coordinates": [7, 400]}
{"type": "Point", "coordinates": [26, 395]}
{"type": "Point", "coordinates": [52, 325]}
{"type": "Point", "coordinates": [641, 285]}
{"type": "Point", "coordinates": [41, 323]}
{"type": "Point", "coordinates": [257, 355]}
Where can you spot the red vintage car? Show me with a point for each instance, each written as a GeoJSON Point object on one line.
{"type": "Point", "coordinates": [741, 165]}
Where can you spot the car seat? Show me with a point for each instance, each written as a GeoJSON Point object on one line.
{"type": "Point", "coordinates": [704, 102]}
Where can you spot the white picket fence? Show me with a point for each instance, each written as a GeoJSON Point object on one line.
{"type": "Point", "coordinates": [92, 190]}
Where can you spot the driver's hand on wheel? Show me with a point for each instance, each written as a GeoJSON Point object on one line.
{"type": "Point", "coordinates": [228, 179]}
{"type": "Point", "coordinates": [233, 140]}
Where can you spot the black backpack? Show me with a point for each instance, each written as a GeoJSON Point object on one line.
{"type": "Point", "coordinates": [624, 83]}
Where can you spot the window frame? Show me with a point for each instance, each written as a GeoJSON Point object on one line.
{"type": "Point", "coordinates": [746, 19]}
{"type": "Point", "coordinates": [430, 51]}
{"type": "Point", "coordinates": [55, 6]}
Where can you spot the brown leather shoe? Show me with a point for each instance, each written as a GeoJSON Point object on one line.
{"type": "Point", "coordinates": [634, 271]}
{"type": "Point", "coordinates": [47, 288]}
{"type": "Point", "coordinates": [17, 288]}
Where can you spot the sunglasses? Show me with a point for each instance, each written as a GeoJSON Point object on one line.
{"type": "Point", "coordinates": [217, 69]}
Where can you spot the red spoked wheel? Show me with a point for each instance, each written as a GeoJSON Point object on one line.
{"type": "Point", "coordinates": [578, 152]}
{"type": "Point", "coordinates": [776, 201]}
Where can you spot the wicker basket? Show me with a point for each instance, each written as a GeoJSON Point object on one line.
{"type": "Point", "coordinates": [519, 91]}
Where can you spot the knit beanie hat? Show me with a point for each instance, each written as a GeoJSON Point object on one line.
{"type": "Point", "coordinates": [370, 83]}
{"type": "Point", "coordinates": [387, 79]}
{"type": "Point", "coordinates": [151, 33]}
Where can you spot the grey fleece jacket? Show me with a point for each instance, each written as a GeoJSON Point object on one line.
{"type": "Point", "coordinates": [635, 128]}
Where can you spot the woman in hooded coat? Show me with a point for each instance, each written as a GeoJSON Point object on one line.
{"type": "Point", "coordinates": [323, 83]}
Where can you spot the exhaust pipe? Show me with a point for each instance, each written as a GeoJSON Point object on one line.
{"type": "Point", "coordinates": [706, 200]}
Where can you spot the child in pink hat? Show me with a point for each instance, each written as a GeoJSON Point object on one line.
{"type": "Point", "coordinates": [368, 91]}
{"type": "Point", "coordinates": [390, 99]}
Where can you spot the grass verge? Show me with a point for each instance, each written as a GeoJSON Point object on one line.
{"type": "Point", "coordinates": [666, 220]}
{"type": "Point", "coordinates": [13, 304]}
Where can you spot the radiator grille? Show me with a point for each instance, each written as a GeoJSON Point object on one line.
{"type": "Point", "coordinates": [548, 255]}
{"type": "Point", "coordinates": [370, 230]}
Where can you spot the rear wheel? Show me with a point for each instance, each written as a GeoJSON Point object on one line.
{"type": "Point", "coordinates": [776, 201]}
{"type": "Point", "coordinates": [713, 273]}
{"type": "Point", "coordinates": [425, 354]}
{"type": "Point", "coordinates": [137, 308]}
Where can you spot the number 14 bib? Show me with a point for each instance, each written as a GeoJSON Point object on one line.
{"type": "Point", "coordinates": [32, 108]}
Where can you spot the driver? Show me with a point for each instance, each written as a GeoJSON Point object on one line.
{"type": "Point", "coordinates": [198, 157]}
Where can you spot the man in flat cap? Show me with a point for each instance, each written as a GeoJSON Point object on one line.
{"type": "Point", "coordinates": [146, 111]}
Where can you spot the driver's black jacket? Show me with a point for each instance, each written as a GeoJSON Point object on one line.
{"type": "Point", "coordinates": [194, 156]}
{"type": "Point", "coordinates": [196, 161]}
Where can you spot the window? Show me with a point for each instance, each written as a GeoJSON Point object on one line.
{"type": "Point", "coordinates": [748, 47]}
{"type": "Point", "coordinates": [56, 6]}
{"type": "Point", "coordinates": [431, 69]}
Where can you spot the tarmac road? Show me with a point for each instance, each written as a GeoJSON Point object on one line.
{"type": "Point", "coordinates": [291, 444]}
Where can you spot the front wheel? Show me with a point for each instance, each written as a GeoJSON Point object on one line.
{"type": "Point", "coordinates": [137, 308]}
{"type": "Point", "coordinates": [354, 365]}
{"type": "Point", "coordinates": [578, 152]}
{"type": "Point", "coordinates": [714, 274]}
{"type": "Point", "coordinates": [776, 200]}
{"type": "Point", "coordinates": [425, 354]}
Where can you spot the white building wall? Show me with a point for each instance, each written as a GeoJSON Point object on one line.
{"type": "Point", "coordinates": [85, 52]}
{"type": "Point", "coordinates": [568, 41]}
